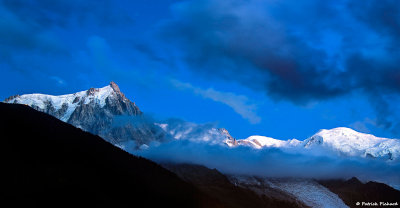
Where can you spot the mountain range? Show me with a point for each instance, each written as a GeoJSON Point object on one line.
{"type": "Point", "coordinates": [343, 141]}
{"type": "Point", "coordinates": [49, 161]}
{"type": "Point", "coordinates": [107, 112]}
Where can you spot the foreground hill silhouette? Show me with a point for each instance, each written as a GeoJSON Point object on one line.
{"type": "Point", "coordinates": [48, 163]}
{"type": "Point", "coordinates": [353, 190]}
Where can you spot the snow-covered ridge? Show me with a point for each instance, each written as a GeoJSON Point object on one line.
{"type": "Point", "coordinates": [66, 104]}
{"type": "Point", "coordinates": [340, 141]}
{"type": "Point", "coordinates": [344, 141]}
{"type": "Point", "coordinates": [182, 130]}
{"type": "Point", "coordinates": [259, 142]}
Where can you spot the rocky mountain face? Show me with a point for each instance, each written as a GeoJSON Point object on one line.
{"type": "Point", "coordinates": [228, 139]}
{"type": "Point", "coordinates": [106, 112]}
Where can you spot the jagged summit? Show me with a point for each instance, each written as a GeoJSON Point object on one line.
{"type": "Point", "coordinates": [114, 86]}
{"type": "Point", "coordinates": [10, 98]}
{"type": "Point", "coordinates": [118, 92]}
{"type": "Point", "coordinates": [229, 140]}
{"type": "Point", "coordinates": [63, 106]}
{"type": "Point", "coordinates": [96, 110]}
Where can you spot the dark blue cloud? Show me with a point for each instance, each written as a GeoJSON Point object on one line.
{"type": "Point", "coordinates": [47, 13]}
{"type": "Point", "coordinates": [52, 41]}
{"type": "Point", "coordinates": [381, 16]}
{"type": "Point", "coordinates": [299, 51]}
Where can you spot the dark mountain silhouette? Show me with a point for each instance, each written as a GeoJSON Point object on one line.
{"type": "Point", "coordinates": [353, 190]}
{"type": "Point", "coordinates": [48, 163]}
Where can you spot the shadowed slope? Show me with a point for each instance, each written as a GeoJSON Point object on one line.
{"type": "Point", "coordinates": [214, 183]}
{"type": "Point", "coordinates": [48, 163]}
{"type": "Point", "coordinates": [353, 191]}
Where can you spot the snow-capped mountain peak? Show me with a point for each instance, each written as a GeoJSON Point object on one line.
{"type": "Point", "coordinates": [352, 143]}
{"type": "Point", "coordinates": [343, 141]}
{"type": "Point", "coordinates": [343, 136]}
{"type": "Point", "coordinates": [103, 111]}
{"type": "Point", "coordinates": [62, 106]}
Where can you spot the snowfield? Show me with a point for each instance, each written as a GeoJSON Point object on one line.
{"type": "Point", "coordinates": [70, 101]}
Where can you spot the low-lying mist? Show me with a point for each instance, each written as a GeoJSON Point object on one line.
{"type": "Point", "coordinates": [272, 162]}
{"type": "Point", "coordinates": [202, 144]}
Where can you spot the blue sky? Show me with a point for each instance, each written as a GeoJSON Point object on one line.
{"type": "Point", "coordinates": [283, 69]}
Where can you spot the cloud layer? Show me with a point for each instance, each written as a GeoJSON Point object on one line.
{"type": "Point", "coordinates": [298, 51]}
{"type": "Point", "coordinates": [273, 162]}
{"type": "Point", "coordinates": [303, 52]}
